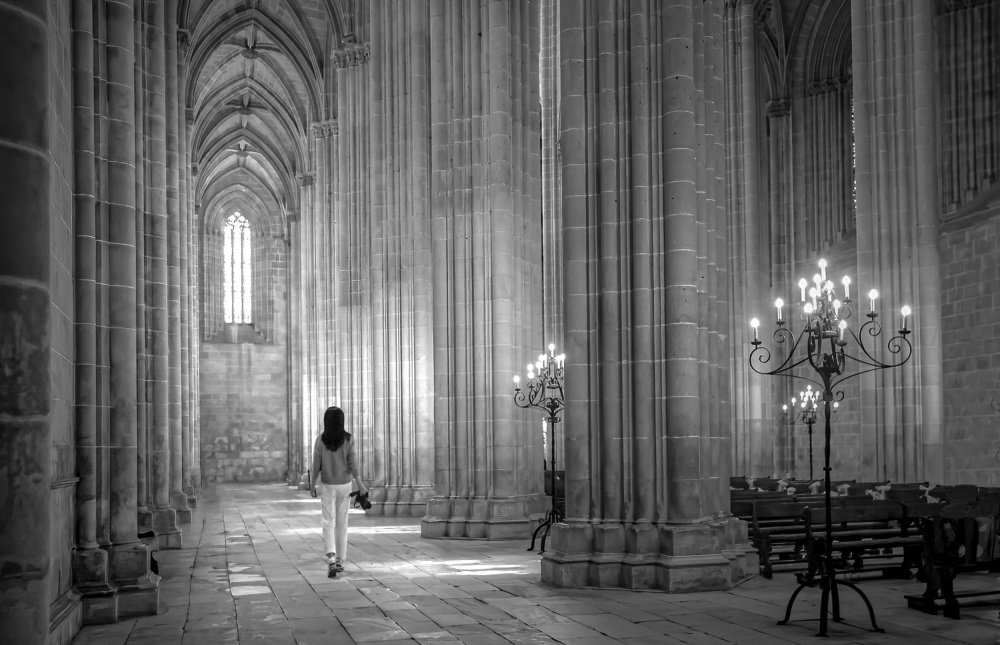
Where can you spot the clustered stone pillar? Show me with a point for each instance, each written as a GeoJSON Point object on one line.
{"type": "Point", "coordinates": [486, 229]}
{"type": "Point", "coordinates": [897, 221]}
{"type": "Point", "coordinates": [122, 216]}
{"type": "Point", "coordinates": [25, 426]}
{"type": "Point", "coordinates": [752, 438]}
{"type": "Point", "coordinates": [646, 313]}
{"type": "Point", "coordinates": [157, 281]}
{"type": "Point", "coordinates": [390, 131]}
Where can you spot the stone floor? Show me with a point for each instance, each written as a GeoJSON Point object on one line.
{"type": "Point", "coordinates": [251, 571]}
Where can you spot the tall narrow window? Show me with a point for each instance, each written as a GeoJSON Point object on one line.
{"type": "Point", "coordinates": [236, 270]}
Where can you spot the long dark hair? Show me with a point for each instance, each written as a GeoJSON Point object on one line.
{"type": "Point", "coordinates": [333, 428]}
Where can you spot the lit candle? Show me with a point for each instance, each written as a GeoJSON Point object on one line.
{"type": "Point", "coordinates": [779, 303]}
{"type": "Point", "coordinates": [808, 308]}
{"type": "Point", "coordinates": [784, 408]}
{"type": "Point", "coordinates": [836, 308]}
{"type": "Point", "coordinates": [754, 323]}
{"type": "Point", "coordinates": [814, 293]}
{"type": "Point", "coordinates": [517, 381]}
{"type": "Point", "coordinates": [802, 285]}
{"type": "Point", "coordinates": [872, 295]}
{"type": "Point", "coordinates": [817, 280]}
{"type": "Point", "coordinates": [822, 269]}
{"type": "Point", "coordinates": [552, 348]}
{"type": "Point", "coordinates": [843, 326]}
{"type": "Point", "coordinates": [847, 287]}
{"type": "Point", "coordinates": [793, 401]}
{"type": "Point", "coordinates": [906, 312]}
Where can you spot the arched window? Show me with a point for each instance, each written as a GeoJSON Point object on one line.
{"type": "Point", "coordinates": [236, 270]}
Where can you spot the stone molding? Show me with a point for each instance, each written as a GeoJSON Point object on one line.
{"type": "Point", "coordinates": [352, 57]}
{"type": "Point", "coordinates": [489, 518]}
{"type": "Point", "coordinates": [183, 41]}
{"type": "Point", "coordinates": [778, 108]}
{"type": "Point", "coordinates": [305, 179]}
{"type": "Point", "coordinates": [324, 129]}
{"type": "Point", "coordinates": [826, 86]}
{"type": "Point", "coordinates": [676, 558]}
{"type": "Point", "coordinates": [950, 6]}
{"type": "Point", "coordinates": [189, 115]}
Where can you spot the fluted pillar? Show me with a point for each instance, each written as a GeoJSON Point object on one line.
{"type": "Point", "coordinates": [157, 282]}
{"type": "Point", "coordinates": [25, 430]}
{"type": "Point", "coordinates": [646, 310]}
{"type": "Point", "coordinates": [128, 558]}
{"type": "Point", "coordinates": [384, 230]}
{"type": "Point", "coordinates": [178, 498]}
{"type": "Point", "coordinates": [90, 562]}
{"type": "Point", "coordinates": [897, 220]}
{"type": "Point", "coordinates": [486, 229]}
{"type": "Point", "coordinates": [184, 241]}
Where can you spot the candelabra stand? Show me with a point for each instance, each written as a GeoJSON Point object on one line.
{"type": "Point", "coordinates": [823, 341]}
{"type": "Point", "coordinates": [545, 392]}
{"type": "Point", "coordinates": [808, 401]}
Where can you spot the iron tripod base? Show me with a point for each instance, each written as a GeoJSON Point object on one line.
{"type": "Point", "coordinates": [828, 582]}
{"type": "Point", "coordinates": [551, 517]}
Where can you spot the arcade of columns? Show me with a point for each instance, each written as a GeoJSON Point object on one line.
{"type": "Point", "coordinates": [481, 180]}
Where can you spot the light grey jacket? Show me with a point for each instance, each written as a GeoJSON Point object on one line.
{"type": "Point", "coordinates": [334, 467]}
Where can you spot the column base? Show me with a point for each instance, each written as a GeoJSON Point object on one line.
{"type": "Point", "coordinates": [303, 483]}
{"type": "Point", "coordinates": [400, 501]}
{"type": "Point", "coordinates": [65, 618]}
{"type": "Point", "coordinates": [676, 558]}
{"type": "Point", "coordinates": [136, 587]}
{"type": "Point", "coordinates": [179, 502]}
{"type": "Point", "coordinates": [482, 518]}
{"type": "Point", "coordinates": [168, 535]}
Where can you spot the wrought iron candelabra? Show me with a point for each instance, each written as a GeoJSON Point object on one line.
{"type": "Point", "coordinates": [808, 402]}
{"type": "Point", "coordinates": [544, 391]}
{"type": "Point", "coordinates": [823, 344]}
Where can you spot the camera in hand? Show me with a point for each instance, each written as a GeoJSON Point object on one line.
{"type": "Point", "coordinates": [361, 500]}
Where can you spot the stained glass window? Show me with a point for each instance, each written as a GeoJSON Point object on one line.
{"type": "Point", "coordinates": [236, 270]}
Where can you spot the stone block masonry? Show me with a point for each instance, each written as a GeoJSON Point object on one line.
{"type": "Point", "coordinates": [243, 413]}
{"type": "Point", "coordinates": [970, 335]}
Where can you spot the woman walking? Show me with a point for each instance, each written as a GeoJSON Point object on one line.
{"type": "Point", "coordinates": [334, 467]}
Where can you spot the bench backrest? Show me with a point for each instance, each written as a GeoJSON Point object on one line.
{"type": "Point", "coordinates": [874, 511]}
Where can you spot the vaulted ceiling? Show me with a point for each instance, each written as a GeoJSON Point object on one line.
{"type": "Point", "coordinates": [259, 75]}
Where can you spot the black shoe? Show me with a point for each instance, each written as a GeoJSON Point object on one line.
{"type": "Point", "coordinates": [332, 570]}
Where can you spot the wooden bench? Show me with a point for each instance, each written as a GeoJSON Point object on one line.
{"type": "Point", "coordinates": [861, 532]}
{"type": "Point", "coordinates": [777, 527]}
{"type": "Point", "coordinates": [963, 538]}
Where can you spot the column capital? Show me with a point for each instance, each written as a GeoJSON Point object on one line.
{"type": "Point", "coordinates": [183, 41]}
{"type": "Point", "coordinates": [351, 56]}
{"type": "Point", "coordinates": [189, 115]}
{"type": "Point", "coordinates": [194, 169]}
{"type": "Point", "coordinates": [324, 129]}
{"type": "Point", "coordinates": [825, 86]}
{"type": "Point", "coordinates": [305, 179]}
{"type": "Point", "coordinates": [778, 108]}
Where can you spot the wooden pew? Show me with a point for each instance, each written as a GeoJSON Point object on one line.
{"type": "Point", "coordinates": [861, 532]}
{"type": "Point", "coordinates": [963, 538]}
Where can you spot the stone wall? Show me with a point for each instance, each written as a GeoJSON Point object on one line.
{"type": "Point", "coordinates": [971, 349]}
{"type": "Point", "coordinates": [243, 412]}
{"type": "Point", "coordinates": [64, 611]}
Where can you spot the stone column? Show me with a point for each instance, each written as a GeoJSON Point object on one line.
{"type": "Point", "coordinates": [384, 252]}
{"type": "Point", "coordinates": [486, 225]}
{"type": "Point", "coordinates": [178, 498]}
{"type": "Point", "coordinates": [145, 514]}
{"type": "Point", "coordinates": [90, 562]}
{"type": "Point", "coordinates": [25, 426]}
{"type": "Point", "coordinates": [128, 558]}
{"type": "Point", "coordinates": [157, 283]}
{"type": "Point", "coordinates": [184, 213]}
{"type": "Point", "coordinates": [897, 219]}
{"type": "Point", "coordinates": [779, 158]}
{"type": "Point", "coordinates": [646, 310]}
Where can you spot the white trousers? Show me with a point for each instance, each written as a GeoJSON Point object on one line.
{"type": "Point", "coordinates": [335, 498]}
